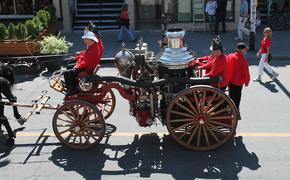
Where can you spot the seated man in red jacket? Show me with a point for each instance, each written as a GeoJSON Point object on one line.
{"type": "Point", "coordinates": [204, 62]}
{"type": "Point", "coordinates": [86, 61]}
{"type": "Point", "coordinates": [238, 69]}
{"type": "Point", "coordinates": [218, 65]}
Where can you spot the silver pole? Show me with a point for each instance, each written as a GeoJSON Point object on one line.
{"type": "Point", "coordinates": [253, 16]}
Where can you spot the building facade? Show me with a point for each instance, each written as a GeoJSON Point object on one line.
{"type": "Point", "coordinates": [144, 14]}
{"type": "Point", "coordinates": [148, 13]}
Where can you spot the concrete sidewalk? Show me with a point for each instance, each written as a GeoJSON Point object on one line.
{"type": "Point", "coordinates": [199, 42]}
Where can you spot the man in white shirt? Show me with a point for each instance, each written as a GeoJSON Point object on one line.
{"type": "Point", "coordinates": [244, 14]}
{"type": "Point", "coordinates": [210, 9]}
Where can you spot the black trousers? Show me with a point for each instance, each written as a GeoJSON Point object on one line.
{"type": "Point", "coordinates": [70, 77]}
{"type": "Point", "coordinates": [235, 93]}
{"type": "Point", "coordinates": [220, 17]}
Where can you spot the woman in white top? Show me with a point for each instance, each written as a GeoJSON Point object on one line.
{"type": "Point", "coordinates": [210, 9]}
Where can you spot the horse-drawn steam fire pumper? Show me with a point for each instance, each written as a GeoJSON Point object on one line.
{"type": "Point", "coordinates": [159, 88]}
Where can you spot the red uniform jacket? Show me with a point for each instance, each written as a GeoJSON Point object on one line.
{"type": "Point", "coordinates": [89, 58]}
{"type": "Point", "coordinates": [207, 66]}
{"type": "Point", "coordinates": [238, 69]}
{"type": "Point", "coordinates": [265, 43]}
{"type": "Point", "coordinates": [219, 68]}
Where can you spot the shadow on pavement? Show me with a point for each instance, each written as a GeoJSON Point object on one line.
{"type": "Point", "coordinates": [149, 154]}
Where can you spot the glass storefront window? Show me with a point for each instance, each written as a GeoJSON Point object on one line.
{"type": "Point", "coordinates": [6, 7]}
{"type": "Point", "coordinates": [24, 6]}
{"type": "Point", "coordinates": [184, 10]}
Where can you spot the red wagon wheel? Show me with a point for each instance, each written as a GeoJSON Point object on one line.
{"type": "Point", "coordinates": [78, 125]}
{"type": "Point", "coordinates": [107, 104]}
{"type": "Point", "coordinates": [201, 118]}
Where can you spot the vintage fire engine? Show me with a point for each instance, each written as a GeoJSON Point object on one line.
{"type": "Point", "coordinates": [159, 88]}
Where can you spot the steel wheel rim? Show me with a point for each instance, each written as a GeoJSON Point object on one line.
{"type": "Point", "coordinates": [78, 125]}
{"type": "Point", "coordinates": [206, 124]}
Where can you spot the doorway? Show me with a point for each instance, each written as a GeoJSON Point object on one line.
{"type": "Point", "coordinates": [149, 14]}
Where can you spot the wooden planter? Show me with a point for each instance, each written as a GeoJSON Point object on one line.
{"type": "Point", "coordinates": [52, 29]}
{"type": "Point", "coordinates": [19, 48]}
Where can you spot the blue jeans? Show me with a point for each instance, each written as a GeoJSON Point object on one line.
{"type": "Point", "coordinates": [211, 20]}
{"type": "Point", "coordinates": [124, 30]}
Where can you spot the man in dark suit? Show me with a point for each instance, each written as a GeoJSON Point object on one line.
{"type": "Point", "coordinates": [221, 12]}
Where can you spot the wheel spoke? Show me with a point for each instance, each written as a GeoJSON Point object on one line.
{"type": "Point", "coordinates": [64, 120]}
{"type": "Point", "coordinates": [68, 116]}
{"type": "Point", "coordinates": [66, 130]}
{"type": "Point", "coordinates": [73, 112]}
{"type": "Point", "coordinates": [192, 134]}
{"type": "Point", "coordinates": [84, 112]}
{"type": "Point", "coordinates": [187, 131]}
{"type": "Point", "coordinates": [181, 120]}
{"type": "Point", "coordinates": [216, 129]}
{"type": "Point", "coordinates": [205, 135]}
{"type": "Point", "coordinates": [182, 114]}
{"type": "Point", "coordinates": [218, 112]}
{"type": "Point", "coordinates": [63, 125]}
{"type": "Point", "coordinates": [202, 104]}
{"type": "Point", "coordinates": [190, 104]}
{"type": "Point", "coordinates": [68, 137]}
{"type": "Point", "coordinates": [196, 101]}
{"type": "Point", "coordinates": [212, 133]}
{"type": "Point", "coordinates": [220, 117]}
{"type": "Point", "coordinates": [198, 136]}
{"type": "Point", "coordinates": [92, 130]}
{"type": "Point", "coordinates": [186, 109]}
{"type": "Point", "coordinates": [211, 100]}
{"type": "Point", "coordinates": [221, 124]}
{"type": "Point", "coordinates": [182, 126]}
{"type": "Point", "coordinates": [216, 106]}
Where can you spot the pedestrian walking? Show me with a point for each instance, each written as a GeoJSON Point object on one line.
{"type": "Point", "coordinates": [264, 54]}
{"type": "Point", "coordinates": [124, 25]}
{"type": "Point", "coordinates": [244, 15]}
{"type": "Point", "coordinates": [210, 9]}
{"type": "Point", "coordinates": [221, 13]}
{"type": "Point", "coordinates": [239, 75]}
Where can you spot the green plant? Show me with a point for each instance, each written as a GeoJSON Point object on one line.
{"type": "Point", "coordinates": [38, 24]}
{"type": "Point", "coordinates": [44, 17]}
{"type": "Point", "coordinates": [2, 31]}
{"type": "Point", "coordinates": [51, 10]}
{"type": "Point", "coordinates": [54, 45]}
{"type": "Point", "coordinates": [11, 31]}
{"type": "Point", "coordinates": [31, 28]}
{"type": "Point", "coordinates": [21, 31]}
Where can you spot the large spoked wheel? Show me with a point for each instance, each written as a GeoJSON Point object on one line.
{"type": "Point", "coordinates": [107, 104]}
{"type": "Point", "coordinates": [78, 125]}
{"type": "Point", "coordinates": [201, 118]}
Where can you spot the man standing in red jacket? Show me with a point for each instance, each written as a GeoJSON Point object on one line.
{"type": "Point", "coordinates": [86, 61]}
{"type": "Point", "coordinates": [239, 75]}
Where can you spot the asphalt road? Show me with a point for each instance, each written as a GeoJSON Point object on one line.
{"type": "Point", "coordinates": [260, 149]}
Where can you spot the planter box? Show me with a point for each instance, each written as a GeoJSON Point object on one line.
{"type": "Point", "coordinates": [52, 29]}
{"type": "Point", "coordinates": [19, 48]}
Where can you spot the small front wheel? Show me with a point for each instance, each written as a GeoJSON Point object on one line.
{"type": "Point", "coordinates": [78, 125]}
